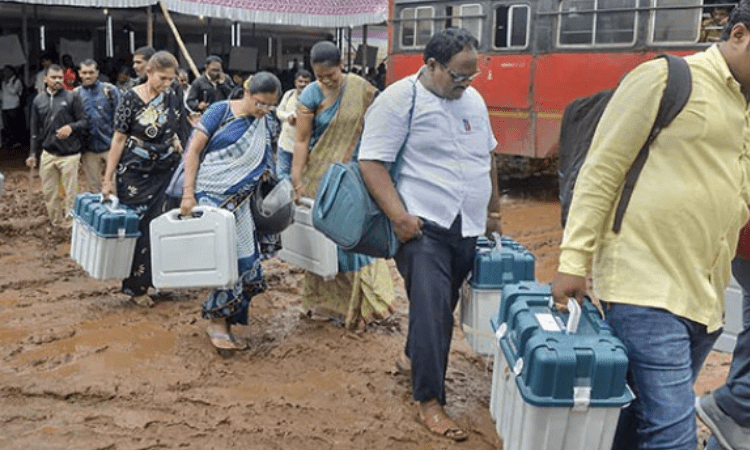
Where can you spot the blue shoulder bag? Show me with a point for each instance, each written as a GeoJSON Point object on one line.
{"type": "Point", "coordinates": [347, 214]}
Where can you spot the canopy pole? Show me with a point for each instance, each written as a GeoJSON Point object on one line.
{"type": "Point", "coordinates": [149, 26]}
{"type": "Point", "coordinates": [365, 60]}
{"type": "Point", "coordinates": [178, 38]}
{"type": "Point", "coordinates": [349, 49]}
{"type": "Point", "coordinates": [25, 42]}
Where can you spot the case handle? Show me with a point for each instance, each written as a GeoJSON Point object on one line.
{"type": "Point", "coordinates": [307, 202]}
{"type": "Point", "coordinates": [575, 316]}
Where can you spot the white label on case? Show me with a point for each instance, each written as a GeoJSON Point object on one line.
{"type": "Point", "coordinates": [547, 322]}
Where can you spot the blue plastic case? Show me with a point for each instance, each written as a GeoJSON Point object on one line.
{"type": "Point", "coordinates": [553, 362]}
{"type": "Point", "coordinates": [103, 236]}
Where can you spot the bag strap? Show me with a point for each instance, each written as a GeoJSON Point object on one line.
{"type": "Point", "coordinates": [396, 167]}
{"type": "Point", "coordinates": [676, 95]}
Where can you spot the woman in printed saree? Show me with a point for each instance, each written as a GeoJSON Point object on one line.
{"type": "Point", "coordinates": [144, 153]}
{"type": "Point", "coordinates": [330, 115]}
{"type": "Point", "coordinates": [229, 151]}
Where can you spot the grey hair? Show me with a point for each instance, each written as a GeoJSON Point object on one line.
{"type": "Point", "coordinates": [162, 60]}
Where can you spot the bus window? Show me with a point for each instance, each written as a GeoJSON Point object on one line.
{"type": "Point", "coordinates": [577, 26]}
{"type": "Point", "coordinates": [511, 26]}
{"type": "Point", "coordinates": [408, 26]}
{"type": "Point", "coordinates": [597, 22]}
{"type": "Point", "coordinates": [471, 20]}
{"type": "Point", "coordinates": [616, 26]}
{"type": "Point", "coordinates": [416, 26]}
{"type": "Point", "coordinates": [675, 25]}
{"type": "Point", "coordinates": [425, 25]}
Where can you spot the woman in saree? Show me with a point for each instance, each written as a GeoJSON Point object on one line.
{"type": "Point", "coordinates": [144, 153]}
{"type": "Point", "coordinates": [229, 151]}
{"type": "Point", "coordinates": [330, 115]}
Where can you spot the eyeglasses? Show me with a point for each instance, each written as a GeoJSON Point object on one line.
{"type": "Point", "coordinates": [460, 78]}
{"type": "Point", "coordinates": [265, 106]}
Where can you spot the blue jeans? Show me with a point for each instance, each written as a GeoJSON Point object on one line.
{"type": "Point", "coordinates": [665, 354]}
{"type": "Point", "coordinates": [283, 164]}
{"type": "Point", "coordinates": [734, 396]}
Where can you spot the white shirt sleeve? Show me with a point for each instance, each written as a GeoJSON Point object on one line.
{"type": "Point", "coordinates": [387, 122]}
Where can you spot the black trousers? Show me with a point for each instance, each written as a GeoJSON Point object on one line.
{"type": "Point", "coordinates": [14, 126]}
{"type": "Point", "coordinates": [434, 268]}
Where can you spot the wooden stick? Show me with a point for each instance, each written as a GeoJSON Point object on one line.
{"type": "Point", "coordinates": [28, 206]}
{"type": "Point", "coordinates": [177, 37]}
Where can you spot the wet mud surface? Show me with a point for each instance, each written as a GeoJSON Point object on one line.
{"type": "Point", "coordinates": [83, 368]}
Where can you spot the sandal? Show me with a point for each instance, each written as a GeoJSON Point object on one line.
{"type": "Point", "coordinates": [438, 422]}
{"type": "Point", "coordinates": [224, 341]}
{"type": "Point", "coordinates": [143, 300]}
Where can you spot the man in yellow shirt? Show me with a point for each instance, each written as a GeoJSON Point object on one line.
{"type": "Point", "coordinates": [661, 279]}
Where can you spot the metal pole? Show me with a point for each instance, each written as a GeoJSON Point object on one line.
{"type": "Point", "coordinates": [365, 64]}
{"type": "Point", "coordinates": [149, 27]}
{"type": "Point", "coordinates": [349, 49]}
{"type": "Point", "coordinates": [25, 43]}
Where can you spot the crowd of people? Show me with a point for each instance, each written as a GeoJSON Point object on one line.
{"type": "Point", "coordinates": [660, 278]}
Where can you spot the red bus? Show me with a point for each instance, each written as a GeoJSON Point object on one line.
{"type": "Point", "coordinates": [538, 55]}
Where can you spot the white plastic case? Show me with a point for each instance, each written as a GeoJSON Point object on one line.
{"type": "Point", "coordinates": [306, 247]}
{"type": "Point", "coordinates": [197, 251]}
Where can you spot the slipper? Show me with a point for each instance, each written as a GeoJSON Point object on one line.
{"type": "Point", "coordinates": [224, 341]}
{"type": "Point", "coordinates": [438, 422]}
{"type": "Point", "coordinates": [143, 300]}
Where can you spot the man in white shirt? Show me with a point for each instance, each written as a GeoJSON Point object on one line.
{"type": "Point", "coordinates": [287, 115]}
{"type": "Point", "coordinates": [439, 204]}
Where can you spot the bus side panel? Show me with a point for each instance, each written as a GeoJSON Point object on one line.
{"type": "Point", "coordinates": [505, 85]}
{"type": "Point", "coordinates": [563, 77]}
{"type": "Point", "coordinates": [505, 81]}
{"type": "Point", "coordinates": [513, 133]}
{"type": "Point", "coordinates": [402, 65]}
{"type": "Point", "coordinates": [547, 134]}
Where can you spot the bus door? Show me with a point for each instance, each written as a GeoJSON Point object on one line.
{"type": "Point", "coordinates": [506, 73]}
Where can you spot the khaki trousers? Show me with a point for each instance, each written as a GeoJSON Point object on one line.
{"type": "Point", "coordinates": [55, 172]}
{"type": "Point", "coordinates": [93, 165]}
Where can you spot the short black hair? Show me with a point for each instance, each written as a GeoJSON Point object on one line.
{"type": "Point", "coordinates": [146, 51]}
{"type": "Point", "coordinates": [55, 67]}
{"type": "Point", "coordinates": [448, 42]}
{"type": "Point", "coordinates": [303, 73]}
{"type": "Point", "coordinates": [88, 62]}
{"type": "Point", "coordinates": [325, 52]}
{"type": "Point", "coordinates": [740, 14]}
{"type": "Point", "coordinates": [212, 59]}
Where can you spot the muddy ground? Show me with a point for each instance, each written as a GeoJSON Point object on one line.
{"type": "Point", "coordinates": [82, 368]}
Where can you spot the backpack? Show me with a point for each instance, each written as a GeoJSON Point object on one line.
{"type": "Point", "coordinates": [581, 118]}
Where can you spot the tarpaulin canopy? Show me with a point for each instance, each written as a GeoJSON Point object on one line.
{"type": "Point", "coordinates": [305, 13]}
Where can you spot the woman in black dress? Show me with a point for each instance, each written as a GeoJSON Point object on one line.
{"type": "Point", "coordinates": [145, 152]}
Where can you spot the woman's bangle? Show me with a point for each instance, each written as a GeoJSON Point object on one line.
{"type": "Point", "coordinates": [494, 215]}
